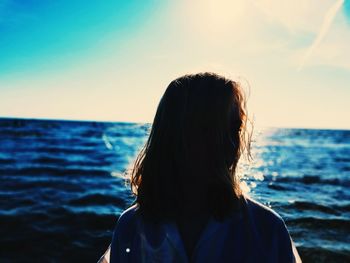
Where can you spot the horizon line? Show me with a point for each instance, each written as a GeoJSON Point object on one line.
{"type": "Point", "coordinates": [262, 127]}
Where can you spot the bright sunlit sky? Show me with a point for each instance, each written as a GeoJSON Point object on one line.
{"type": "Point", "coordinates": [112, 60]}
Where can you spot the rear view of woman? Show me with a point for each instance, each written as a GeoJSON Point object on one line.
{"type": "Point", "coordinates": [189, 206]}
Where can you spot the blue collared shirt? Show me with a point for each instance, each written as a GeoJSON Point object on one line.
{"type": "Point", "coordinates": [256, 234]}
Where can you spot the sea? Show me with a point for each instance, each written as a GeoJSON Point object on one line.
{"type": "Point", "coordinates": [62, 187]}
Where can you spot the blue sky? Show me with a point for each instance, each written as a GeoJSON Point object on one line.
{"type": "Point", "coordinates": [38, 33]}
{"type": "Point", "coordinates": [112, 60]}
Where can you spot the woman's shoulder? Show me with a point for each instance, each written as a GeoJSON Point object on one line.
{"type": "Point", "coordinates": [128, 214]}
{"type": "Point", "coordinates": [127, 220]}
{"type": "Point", "coordinates": [267, 223]}
{"type": "Point", "coordinates": [271, 230]}
{"type": "Point", "coordinates": [262, 213]}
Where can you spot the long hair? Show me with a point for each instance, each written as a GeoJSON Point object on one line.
{"type": "Point", "coordinates": [197, 137]}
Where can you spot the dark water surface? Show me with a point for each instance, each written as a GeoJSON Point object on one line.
{"type": "Point", "coordinates": [61, 190]}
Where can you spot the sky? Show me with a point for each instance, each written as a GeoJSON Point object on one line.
{"type": "Point", "coordinates": [112, 60]}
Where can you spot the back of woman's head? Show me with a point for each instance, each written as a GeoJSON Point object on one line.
{"type": "Point", "coordinates": [196, 140]}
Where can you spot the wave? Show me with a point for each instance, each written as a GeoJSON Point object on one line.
{"type": "Point", "coordinates": [57, 161]}
{"type": "Point", "coordinates": [341, 159]}
{"type": "Point", "coordinates": [314, 223]}
{"type": "Point", "coordinates": [98, 199]}
{"type": "Point", "coordinates": [9, 133]}
{"type": "Point", "coordinates": [59, 185]}
{"type": "Point", "coordinates": [55, 171]}
{"type": "Point", "coordinates": [323, 255]}
{"type": "Point", "coordinates": [278, 187]}
{"type": "Point", "coordinates": [59, 217]}
{"type": "Point", "coordinates": [4, 161]}
{"type": "Point", "coordinates": [311, 179]}
{"type": "Point", "coordinates": [333, 209]}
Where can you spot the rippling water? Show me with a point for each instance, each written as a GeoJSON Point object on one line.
{"type": "Point", "coordinates": [61, 192]}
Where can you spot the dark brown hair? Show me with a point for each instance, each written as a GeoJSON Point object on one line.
{"type": "Point", "coordinates": [197, 137]}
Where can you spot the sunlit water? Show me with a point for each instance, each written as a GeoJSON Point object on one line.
{"type": "Point", "coordinates": [61, 190]}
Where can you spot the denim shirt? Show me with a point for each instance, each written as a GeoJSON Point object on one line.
{"type": "Point", "coordinates": [256, 234]}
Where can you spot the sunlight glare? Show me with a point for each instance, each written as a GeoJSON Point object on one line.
{"type": "Point", "coordinates": [215, 17]}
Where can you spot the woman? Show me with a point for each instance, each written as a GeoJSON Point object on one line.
{"type": "Point", "coordinates": [189, 206]}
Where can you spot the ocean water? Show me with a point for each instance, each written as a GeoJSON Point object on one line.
{"type": "Point", "coordinates": [61, 188]}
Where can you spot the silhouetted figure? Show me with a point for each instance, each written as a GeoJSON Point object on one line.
{"type": "Point", "coordinates": [189, 206]}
